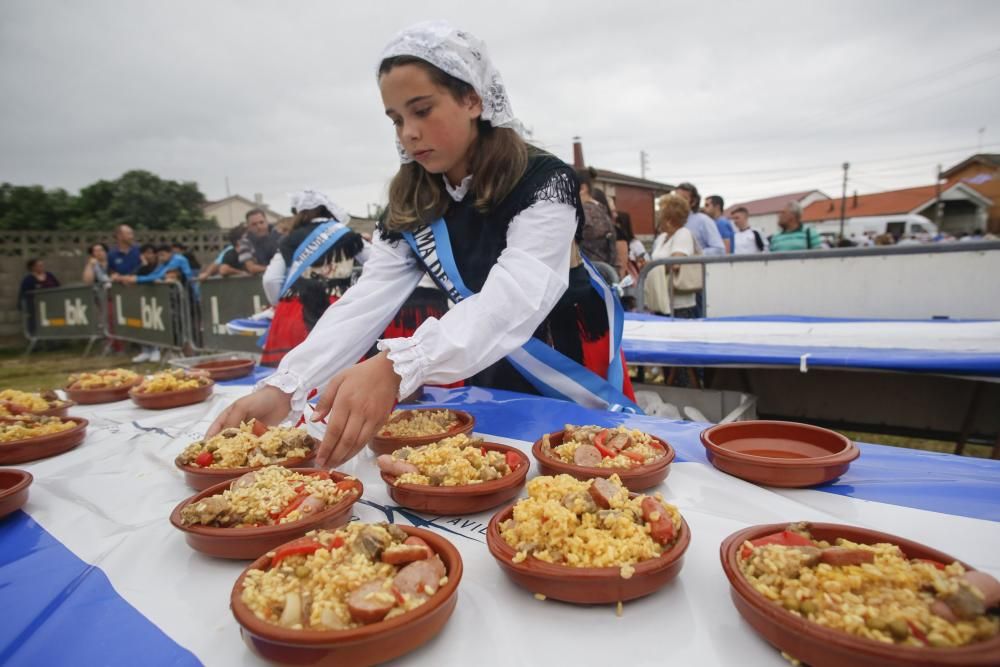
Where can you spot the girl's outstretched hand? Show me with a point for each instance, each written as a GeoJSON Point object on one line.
{"type": "Point", "coordinates": [358, 400]}
{"type": "Point", "coordinates": [268, 404]}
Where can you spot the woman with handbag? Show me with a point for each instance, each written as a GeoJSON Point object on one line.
{"type": "Point", "coordinates": [674, 293]}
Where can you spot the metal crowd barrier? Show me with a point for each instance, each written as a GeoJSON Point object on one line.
{"type": "Point", "coordinates": [156, 314]}
{"type": "Point", "coordinates": [165, 315]}
{"type": "Point", "coordinates": [223, 300]}
{"type": "Point", "coordinates": [66, 313]}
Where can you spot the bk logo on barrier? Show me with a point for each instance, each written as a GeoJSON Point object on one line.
{"type": "Point", "coordinates": [150, 314]}
{"type": "Point", "coordinates": [75, 314]}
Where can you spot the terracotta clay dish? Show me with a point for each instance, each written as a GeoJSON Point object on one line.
{"type": "Point", "coordinates": [101, 395]}
{"type": "Point", "coordinates": [43, 446]}
{"type": "Point", "coordinates": [201, 477]}
{"type": "Point", "coordinates": [383, 443]}
{"type": "Point", "coordinates": [369, 644]}
{"type": "Point", "coordinates": [57, 407]}
{"type": "Point", "coordinates": [163, 400]}
{"type": "Point", "coordinates": [776, 453]}
{"type": "Point", "coordinates": [250, 542]}
{"type": "Point", "coordinates": [591, 585]}
{"type": "Point", "coordinates": [636, 478]}
{"type": "Point", "coordinates": [464, 498]}
{"type": "Point", "coordinates": [820, 646]}
{"type": "Point", "coordinates": [13, 490]}
{"type": "Point", "coordinates": [227, 369]}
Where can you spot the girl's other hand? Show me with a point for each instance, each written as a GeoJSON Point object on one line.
{"type": "Point", "coordinates": [358, 399]}
{"type": "Point", "coordinates": [268, 404]}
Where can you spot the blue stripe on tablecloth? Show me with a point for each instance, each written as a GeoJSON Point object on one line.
{"type": "Point", "coordinates": [55, 605]}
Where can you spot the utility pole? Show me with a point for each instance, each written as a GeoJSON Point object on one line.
{"type": "Point", "coordinates": [939, 205]}
{"type": "Point", "coordinates": [643, 163]}
{"type": "Point", "coordinates": [843, 199]}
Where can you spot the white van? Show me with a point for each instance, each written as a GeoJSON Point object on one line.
{"type": "Point", "coordinates": [908, 226]}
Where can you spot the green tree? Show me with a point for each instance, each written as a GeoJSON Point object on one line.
{"type": "Point", "coordinates": [31, 207]}
{"type": "Point", "coordinates": [139, 198]}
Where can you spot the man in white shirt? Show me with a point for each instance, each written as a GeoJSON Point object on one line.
{"type": "Point", "coordinates": [747, 240]}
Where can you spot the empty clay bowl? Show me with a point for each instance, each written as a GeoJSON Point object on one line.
{"type": "Point", "coordinates": [465, 499]}
{"type": "Point", "coordinates": [367, 645]}
{"type": "Point", "coordinates": [775, 453]}
{"type": "Point", "coordinates": [13, 490]}
{"type": "Point", "coordinates": [202, 478]}
{"type": "Point", "coordinates": [820, 646]}
{"type": "Point", "coordinates": [227, 369]}
{"type": "Point", "coordinates": [32, 449]}
{"type": "Point", "coordinates": [381, 444]}
{"type": "Point", "coordinates": [103, 395]}
{"type": "Point", "coordinates": [163, 400]}
{"type": "Point", "coordinates": [634, 479]}
{"type": "Point", "coordinates": [586, 585]}
{"type": "Point", "coordinates": [248, 543]}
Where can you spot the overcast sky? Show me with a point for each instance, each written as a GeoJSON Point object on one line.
{"type": "Point", "coordinates": [746, 99]}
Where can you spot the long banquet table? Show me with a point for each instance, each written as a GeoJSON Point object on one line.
{"type": "Point", "coordinates": [91, 572]}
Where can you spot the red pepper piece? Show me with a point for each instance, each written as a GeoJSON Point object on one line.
{"type": "Point", "coordinates": [204, 459]}
{"type": "Point", "coordinates": [638, 458]}
{"type": "Point", "coordinates": [513, 460]}
{"type": "Point", "coordinates": [347, 485]}
{"type": "Point", "coordinates": [291, 507]}
{"type": "Point", "coordinates": [917, 632]}
{"type": "Point", "coordinates": [304, 546]}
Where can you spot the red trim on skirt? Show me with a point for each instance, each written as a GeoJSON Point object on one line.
{"type": "Point", "coordinates": [288, 329]}
{"type": "Point", "coordinates": [595, 358]}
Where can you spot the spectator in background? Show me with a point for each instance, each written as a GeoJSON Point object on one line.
{"type": "Point", "coordinates": [36, 278]}
{"type": "Point", "coordinates": [747, 240]}
{"type": "Point", "coordinates": [673, 240]}
{"type": "Point", "coordinates": [704, 229]}
{"type": "Point", "coordinates": [258, 245]}
{"type": "Point", "coordinates": [148, 261]}
{"type": "Point", "coordinates": [713, 209]}
{"type": "Point", "coordinates": [97, 268]}
{"type": "Point", "coordinates": [168, 261]}
{"type": "Point", "coordinates": [227, 262]}
{"type": "Point", "coordinates": [124, 258]}
{"type": "Point", "coordinates": [632, 256]}
{"type": "Point", "coordinates": [598, 242]}
{"type": "Point", "coordinates": [182, 249]}
{"type": "Point", "coordinates": [794, 235]}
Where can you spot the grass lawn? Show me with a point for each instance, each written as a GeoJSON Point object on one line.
{"type": "Point", "coordinates": [49, 369]}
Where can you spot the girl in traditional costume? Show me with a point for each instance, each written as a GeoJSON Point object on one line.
{"type": "Point", "coordinates": [310, 271]}
{"type": "Point", "coordinates": [494, 222]}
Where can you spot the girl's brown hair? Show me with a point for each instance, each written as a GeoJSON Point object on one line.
{"type": "Point", "coordinates": [499, 160]}
{"type": "Point", "coordinates": [672, 209]}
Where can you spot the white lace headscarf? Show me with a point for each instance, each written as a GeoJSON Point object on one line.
{"type": "Point", "coordinates": [463, 56]}
{"type": "Point", "coordinates": [309, 199]}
